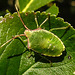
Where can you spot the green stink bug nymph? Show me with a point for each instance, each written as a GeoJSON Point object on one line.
{"type": "Point", "coordinates": [41, 40]}
{"type": "Point", "coordinates": [46, 43]}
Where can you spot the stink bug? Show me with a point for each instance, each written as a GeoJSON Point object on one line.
{"type": "Point", "coordinates": [41, 40]}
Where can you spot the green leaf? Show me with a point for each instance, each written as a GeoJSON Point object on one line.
{"type": "Point", "coordinates": [31, 5]}
{"type": "Point", "coordinates": [53, 10]}
{"type": "Point", "coordinates": [12, 61]}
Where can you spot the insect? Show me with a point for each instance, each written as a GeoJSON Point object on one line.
{"type": "Point", "coordinates": [41, 40]}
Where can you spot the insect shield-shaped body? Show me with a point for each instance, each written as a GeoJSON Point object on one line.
{"type": "Point", "coordinates": [44, 42]}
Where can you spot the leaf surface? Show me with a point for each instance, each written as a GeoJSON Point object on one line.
{"type": "Point", "coordinates": [53, 10]}
{"type": "Point", "coordinates": [31, 5]}
{"type": "Point", "coordinates": [12, 61]}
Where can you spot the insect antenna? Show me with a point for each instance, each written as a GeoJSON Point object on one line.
{"type": "Point", "coordinates": [21, 18]}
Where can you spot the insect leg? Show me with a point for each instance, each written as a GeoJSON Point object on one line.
{"type": "Point", "coordinates": [47, 59]}
{"type": "Point", "coordinates": [60, 28]}
{"type": "Point", "coordinates": [36, 21]}
{"type": "Point", "coordinates": [30, 54]}
{"type": "Point", "coordinates": [12, 39]}
{"type": "Point", "coordinates": [43, 21]}
{"type": "Point", "coordinates": [21, 18]}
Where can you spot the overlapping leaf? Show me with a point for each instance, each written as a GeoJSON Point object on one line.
{"type": "Point", "coordinates": [31, 5]}
{"type": "Point", "coordinates": [20, 64]}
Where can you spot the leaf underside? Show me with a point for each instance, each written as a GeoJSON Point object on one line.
{"type": "Point", "coordinates": [11, 25]}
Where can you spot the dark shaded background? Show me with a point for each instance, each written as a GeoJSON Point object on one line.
{"type": "Point", "coordinates": [66, 8]}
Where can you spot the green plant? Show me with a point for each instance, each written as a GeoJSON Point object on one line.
{"type": "Point", "coordinates": [10, 25]}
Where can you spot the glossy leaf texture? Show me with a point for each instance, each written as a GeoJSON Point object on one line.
{"type": "Point", "coordinates": [33, 5]}
{"type": "Point", "coordinates": [53, 10]}
{"type": "Point", "coordinates": [13, 59]}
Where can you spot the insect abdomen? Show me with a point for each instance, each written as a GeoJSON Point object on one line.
{"type": "Point", "coordinates": [46, 43]}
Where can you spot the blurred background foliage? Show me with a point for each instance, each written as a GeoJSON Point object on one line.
{"type": "Point", "coordinates": [66, 8]}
